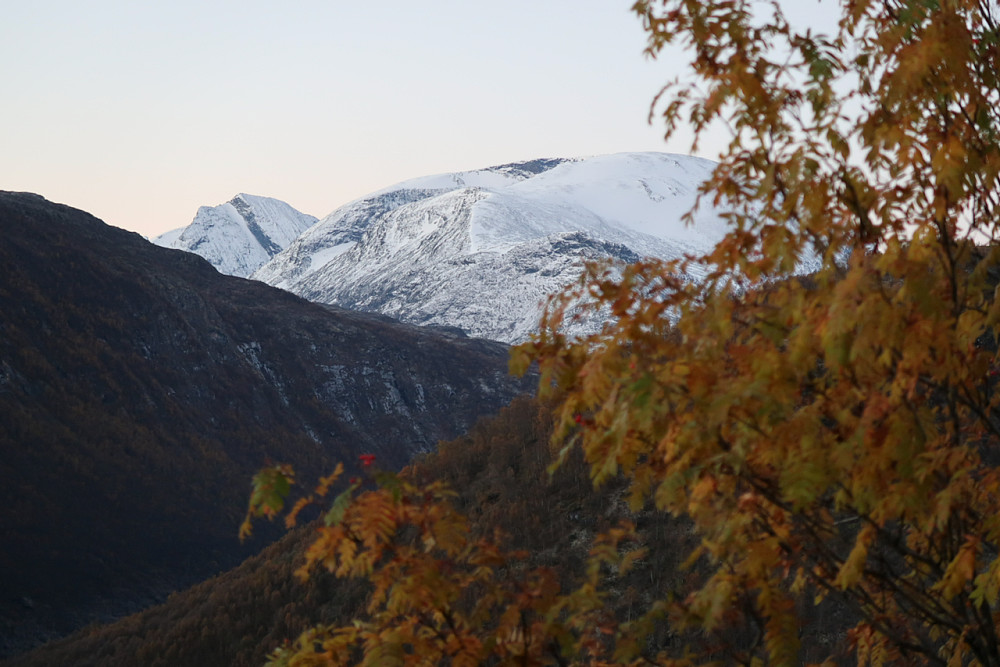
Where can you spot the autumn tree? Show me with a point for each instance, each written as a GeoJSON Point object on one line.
{"type": "Point", "coordinates": [821, 406]}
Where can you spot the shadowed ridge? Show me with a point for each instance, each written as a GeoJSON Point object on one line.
{"type": "Point", "coordinates": [140, 389]}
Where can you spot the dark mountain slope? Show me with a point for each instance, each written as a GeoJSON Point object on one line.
{"type": "Point", "coordinates": [499, 471]}
{"type": "Point", "coordinates": [237, 618]}
{"type": "Point", "coordinates": [139, 390]}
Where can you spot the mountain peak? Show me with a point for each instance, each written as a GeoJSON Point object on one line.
{"type": "Point", "coordinates": [241, 235]}
{"type": "Point", "coordinates": [480, 250]}
{"type": "Point", "coordinates": [433, 249]}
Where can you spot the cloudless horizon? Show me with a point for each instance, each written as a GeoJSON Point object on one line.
{"type": "Point", "coordinates": [139, 113]}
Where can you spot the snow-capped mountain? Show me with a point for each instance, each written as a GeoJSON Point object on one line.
{"type": "Point", "coordinates": [239, 236]}
{"type": "Point", "coordinates": [480, 250]}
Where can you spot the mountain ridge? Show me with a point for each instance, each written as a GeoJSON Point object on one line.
{"type": "Point", "coordinates": [415, 250]}
{"type": "Point", "coordinates": [239, 236]}
{"type": "Point", "coordinates": [141, 389]}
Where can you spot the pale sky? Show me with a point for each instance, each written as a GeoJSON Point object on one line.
{"type": "Point", "coordinates": [141, 112]}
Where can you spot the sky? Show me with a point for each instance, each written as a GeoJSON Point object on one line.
{"type": "Point", "coordinates": [141, 112]}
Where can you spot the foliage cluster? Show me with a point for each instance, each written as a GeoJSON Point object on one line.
{"type": "Point", "coordinates": [830, 438]}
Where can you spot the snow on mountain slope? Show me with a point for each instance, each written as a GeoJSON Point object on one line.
{"type": "Point", "coordinates": [481, 250]}
{"type": "Point", "coordinates": [334, 235]}
{"type": "Point", "coordinates": [241, 235]}
{"type": "Point", "coordinates": [339, 231]}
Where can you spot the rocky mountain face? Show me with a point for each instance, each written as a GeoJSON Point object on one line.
{"type": "Point", "coordinates": [241, 235]}
{"type": "Point", "coordinates": [481, 250]}
{"type": "Point", "coordinates": [140, 390]}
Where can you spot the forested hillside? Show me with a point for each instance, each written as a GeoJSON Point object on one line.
{"type": "Point", "coordinates": [499, 469]}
